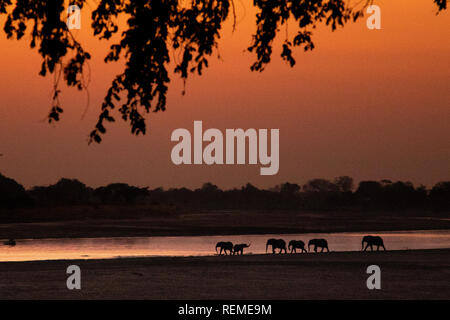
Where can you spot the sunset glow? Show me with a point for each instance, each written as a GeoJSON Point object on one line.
{"type": "Point", "coordinates": [371, 104]}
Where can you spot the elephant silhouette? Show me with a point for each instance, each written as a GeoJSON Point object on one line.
{"type": "Point", "coordinates": [239, 248]}
{"type": "Point", "coordinates": [224, 246]}
{"type": "Point", "coordinates": [372, 241]}
{"type": "Point", "coordinates": [276, 244]}
{"type": "Point", "coordinates": [296, 244]}
{"type": "Point", "coordinates": [318, 243]}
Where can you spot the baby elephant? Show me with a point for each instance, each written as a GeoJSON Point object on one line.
{"type": "Point", "coordinates": [239, 248]}
{"type": "Point", "coordinates": [296, 244]}
{"type": "Point", "coordinates": [318, 243]}
{"type": "Point", "coordinates": [372, 241]}
{"type": "Point", "coordinates": [224, 246]}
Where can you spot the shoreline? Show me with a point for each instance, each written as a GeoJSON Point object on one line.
{"type": "Point", "coordinates": [168, 257]}
{"type": "Point", "coordinates": [227, 224]}
{"type": "Point", "coordinates": [234, 234]}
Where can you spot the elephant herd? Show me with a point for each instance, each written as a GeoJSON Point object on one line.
{"type": "Point", "coordinates": [227, 247]}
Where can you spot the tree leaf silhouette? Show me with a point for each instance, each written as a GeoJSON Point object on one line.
{"type": "Point", "coordinates": [154, 29]}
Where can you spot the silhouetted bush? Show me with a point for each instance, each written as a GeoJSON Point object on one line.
{"type": "Point", "coordinates": [316, 194]}
{"type": "Point", "coordinates": [64, 192]}
{"type": "Point", "coordinates": [12, 194]}
{"type": "Point", "coordinates": [440, 196]}
{"type": "Point", "coordinates": [117, 193]}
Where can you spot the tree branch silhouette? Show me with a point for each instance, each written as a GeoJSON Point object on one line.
{"type": "Point", "coordinates": [153, 29]}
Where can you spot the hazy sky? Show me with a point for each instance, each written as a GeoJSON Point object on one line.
{"type": "Point", "coordinates": [372, 104]}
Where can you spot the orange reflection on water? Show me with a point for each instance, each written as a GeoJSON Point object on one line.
{"type": "Point", "coordinates": [106, 248]}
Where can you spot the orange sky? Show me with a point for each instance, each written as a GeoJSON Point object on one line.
{"type": "Point", "coordinates": [372, 104]}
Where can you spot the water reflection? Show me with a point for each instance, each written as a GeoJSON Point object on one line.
{"type": "Point", "coordinates": [101, 248]}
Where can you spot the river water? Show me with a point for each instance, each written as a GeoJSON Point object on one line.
{"type": "Point", "coordinates": [105, 248]}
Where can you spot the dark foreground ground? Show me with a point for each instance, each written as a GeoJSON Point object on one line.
{"type": "Point", "coordinates": [419, 274]}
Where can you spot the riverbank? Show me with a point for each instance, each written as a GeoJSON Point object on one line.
{"type": "Point", "coordinates": [414, 274]}
{"type": "Point", "coordinates": [227, 223]}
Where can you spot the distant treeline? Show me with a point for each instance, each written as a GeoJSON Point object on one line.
{"type": "Point", "coordinates": [316, 194]}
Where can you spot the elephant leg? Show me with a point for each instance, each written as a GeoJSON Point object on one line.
{"type": "Point", "coordinates": [371, 247]}
{"type": "Point", "coordinates": [315, 249]}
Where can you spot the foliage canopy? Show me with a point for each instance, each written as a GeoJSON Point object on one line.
{"type": "Point", "coordinates": [154, 29]}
